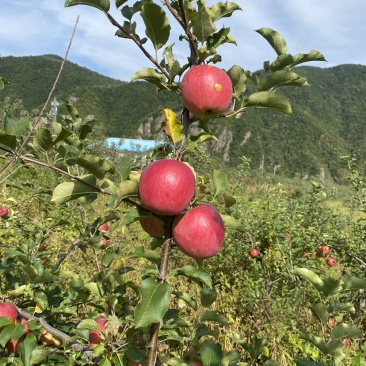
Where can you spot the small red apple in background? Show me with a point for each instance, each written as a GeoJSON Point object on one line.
{"type": "Point", "coordinates": [103, 227]}
{"type": "Point", "coordinates": [166, 186]}
{"type": "Point", "coordinates": [8, 309]}
{"type": "Point", "coordinates": [43, 261]}
{"type": "Point", "coordinates": [94, 335]}
{"type": "Point", "coordinates": [105, 241]}
{"type": "Point", "coordinates": [345, 341]}
{"type": "Point", "coordinates": [153, 225]}
{"type": "Point", "coordinates": [41, 247]}
{"type": "Point", "coordinates": [267, 245]}
{"type": "Point", "coordinates": [199, 232]}
{"type": "Point", "coordinates": [3, 211]}
{"type": "Point", "coordinates": [331, 322]}
{"type": "Point", "coordinates": [287, 238]}
{"type": "Point", "coordinates": [206, 91]}
{"type": "Point", "coordinates": [306, 255]}
{"type": "Point", "coordinates": [331, 262]}
{"type": "Point", "coordinates": [322, 251]}
{"type": "Point", "coordinates": [133, 363]}
{"type": "Point", "coordinates": [254, 253]}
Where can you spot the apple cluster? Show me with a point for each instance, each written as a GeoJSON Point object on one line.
{"type": "Point", "coordinates": [166, 188]}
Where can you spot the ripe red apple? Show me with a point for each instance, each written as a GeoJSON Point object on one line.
{"type": "Point", "coordinates": [166, 186]}
{"type": "Point", "coordinates": [105, 241]}
{"type": "Point", "coordinates": [103, 227]}
{"type": "Point", "coordinates": [199, 232]}
{"type": "Point", "coordinates": [3, 211]}
{"type": "Point", "coordinates": [331, 262]}
{"type": "Point", "coordinates": [94, 335]}
{"type": "Point", "coordinates": [25, 322]}
{"type": "Point", "coordinates": [41, 247]}
{"type": "Point", "coordinates": [322, 251]}
{"type": "Point", "coordinates": [345, 341]}
{"type": "Point", "coordinates": [254, 253]}
{"type": "Point", "coordinates": [206, 91]}
{"type": "Point", "coordinates": [153, 225]}
{"type": "Point", "coordinates": [12, 346]}
{"type": "Point", "coordinates": [331, 322]}
{"type": "Point", "coordinates": [8, 309]}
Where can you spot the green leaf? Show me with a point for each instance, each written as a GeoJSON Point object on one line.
{"type": "Point", "coordinates": [94, 164]}
{"type": "Point", "coordinates": [281, 78]}
{"type": "Point", "coordinates": [119, 3]}
{"type": "Point", "coordinates": [214, 316]}
{"type": "Point", "coordinates": [207, 297]}
{"type": "Point", "coordinates": [15, 126]}
{"type": "Point", "coordinates": [150, 255]}
{"type": "Point", "coordinates": [310, 276]}
{"type": "Point", "coordinates": [124, 167]}
{"type": "Point", "coordinates": [154, 302]}
{"type": "Point", "coordinates": [267, 99]}
{"type": "Point", "coordinates": [275, 39]}
{"type": "Point", "coordinates": [156, 23]}
{"type": "Point", "coordinates": [150, 75]}
{"type": "Point", "coordinates": [186, 298]}
{"type": "Point", "coordinates": [342, 331]}
{"type": "Point", "coordinates": [26, 348]}
{"type": "Point", "coordinates": [316, 341]}
{"type": "Point", "coordinates": [232, 223]}
{"type": "Point", "coordinates": [3, 82]}
{"type": "Point", "coordinates": [271, 363]}
{"type": "Point", "coordinates": [332, 287]}
{"type": "Point", "coordinates": [202, 25]}
{"type": "Point", "coordinates": [127, 188]}
{"type": "Point", "coordinates": [103, 5]}
{"type": "Point", "coordinates": [8, 140]}
{"type": "Point", "coordinates": [238, 79]}
{"type": "Point", "coordinates": [307, 57]}
{"type": "Point", "coordinates": [320, 312]}
{"type": "Point", "coordinates": [304, 362]}
{"type": "Point", "coordinates": [68, 191]}
{"type": "Point", "coordinates": [211, 353]}
{"type": "Point", "coordinates": [351, 283]}
{"type": "Point", "coordinates": [198, 275]}
{"type": "Point", "coordinates": [221, 10]}
{"type": "Point", "coordinates": [229, 200]}
{"type": "Point", "coordinates": [220, 182]}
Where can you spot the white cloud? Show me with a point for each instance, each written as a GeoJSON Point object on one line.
{"type": "Point", "coordinates": [36, 27]}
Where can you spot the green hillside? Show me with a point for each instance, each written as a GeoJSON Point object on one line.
{"type": "Point", "coordinates": [328, 119]}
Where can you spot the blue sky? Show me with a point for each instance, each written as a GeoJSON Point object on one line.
{"type": "Point", "coordinates": [37, 27]}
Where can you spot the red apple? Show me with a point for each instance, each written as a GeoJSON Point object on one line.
{"type": "Point", "coordinates": [331, 262]}
{"type": "Point", "coordinates": [287, 238]}
{"type": "Point", "coordinates": [267, 245]}
{"type": "Point", "coordinates": [43, 262]}
{"type": "Point", "coordinates": [41, 247]}
{"type": "Point", "coordinates": [94, 335]}
{"type": "Point", "coordinates": [254, 253]}
{"type": "Point", "coordinates": [12, 346]}
{"type": "Point", "coordinates": [166, 186]}
{"type": "Point", "coordinates": [206, 91]}
{"type": "Point", "coordinates": [25, 322]}
{"type": "Point", "coordinates": [153, 225]}
{"type": "Point", "coordinates": [105, 241]}
{"type": "Point", "coordinates": [345, 341]}
{"type": "Point", "coordinates": [9, 310]}
{"type": "Point", "coordinates": [331, 322]}
{"type": "Point", "coordinates": [199, 232]}
{"type": "Point", "coordinates": [3, 211]}
{"type": "Point", "coordinates": [103, 227]}
{"type": "Point", "coordinates": [322, 251]}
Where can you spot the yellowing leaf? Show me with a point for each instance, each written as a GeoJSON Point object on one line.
{"type": "Point", "coordinates": [172, 126]}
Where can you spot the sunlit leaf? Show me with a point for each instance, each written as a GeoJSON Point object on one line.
{"type": "Point", "coordinates": [103, 5]}
{"type": "Point", "coordinates": [238, 79]}
{"type": "Point", "coordinates": [221, 10]}
{"type": "Point", "coordinates": [150, 75]}
{"type": "Point", "coordinates": [267, 99]}
{"type": "Point", "coordinates": [154, 302]}
{"type": "Point", "coordinates": [232, 223]}
{"type": "Point", "coordinates": [172, 126]}
{"type": "Point", "coordinates": [156, 23]}
{"type": "Point", "coordinates": [281, 78]}
{"type": "Point", "coordinates": [15, 126]}
{"type": "Point", "coordinates": [310, 276]}
{"type": "Point", "coordinates": [343, 331]}
{"type": "Point", "coordinates": [199, 275]}
{"type": "Point", "coordinates": [67, 191]}
{"type": "Point", "coordinates": [220, 182]}
{"type": "Point", "coordinates": [211, 353]}
{"type": "Point", "coordinates": [202, 25]}
{"type": "Point", "coordinates": [275, 39]}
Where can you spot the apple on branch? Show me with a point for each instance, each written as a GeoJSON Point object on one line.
{"type": "Point", "coordinates": [166, 186]}
{"type": "Point", "coordinates": [94, 335]}
{"type": "Point", "coordinates": [199, 232]}
{"type": "Point", "coordinates": [254, 253]}
{"type": "Point", "coordinates": [206, 91]}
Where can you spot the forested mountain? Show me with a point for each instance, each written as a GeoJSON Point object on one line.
{"type": "Point", "coordinates": [328, 119]}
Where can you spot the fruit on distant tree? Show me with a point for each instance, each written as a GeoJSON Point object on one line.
{"type": "Point", "coordinates": [41, 247]}
{"type": "Point", "coordinates": [153, 225]}
{"type": "Point", "coordinates": [3, 211]}
{"type": "Point", "coordinates": [331, 322]}
{"type": "Point", "coordinates": [103, 227]}
{"type": "Point", "coordinates": [48, 339]}
{"type": "Point", "coordinates": [345, 341]}
{"type": "Point", "coordinates": [206, 91]}
{"type": "Point", "coordinates": [94, 335]}
{"type": "Point", "coordinates": [287, 238]}
{"type": "Point", "coordinates": [322, 251]}
{"type": "Point", "coordinates": [254, 253]}
{"type": "Point", "coordinates": [8, 309]}
{"type": "Point", "coordinates": [166, 186]}
{"type": "Point", "coordinates": [331, 262]}
{"type": "Point", "coordinates": [199, 232]}
{"type": "Point", "coordinates": [105, 241]}
{"type": "Point", "coordinates": [267, 245]}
